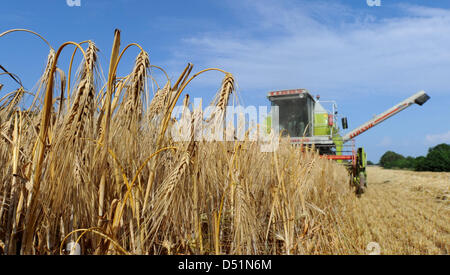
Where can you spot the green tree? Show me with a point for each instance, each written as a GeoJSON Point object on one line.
{"type": "Point", "coordinates": [410, 163]}
{"type": "Point", "coordinates": [390, 159]}
{"type": "Point", "coordinates": [421, 164]}
{"type": "Point", "coordinates": [438, 158]}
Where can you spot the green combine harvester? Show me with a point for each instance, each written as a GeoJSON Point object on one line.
{"type": "Point", "coordinates": [307, 121]}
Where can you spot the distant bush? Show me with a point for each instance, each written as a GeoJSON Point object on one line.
{"type": "Point", "coordinates": [437, 160]}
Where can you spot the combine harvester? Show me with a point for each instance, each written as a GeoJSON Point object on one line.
{"type": "Point", "coordinates": [308, 123]}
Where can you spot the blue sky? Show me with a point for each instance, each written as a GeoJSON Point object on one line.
{"type": "Point", "coordinates": [365, 58]}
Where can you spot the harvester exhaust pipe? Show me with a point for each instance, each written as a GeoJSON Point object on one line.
{"type": "Point", "coordinates": [344, 123]}
{"type": "Point", "coordinates": [419, 98]}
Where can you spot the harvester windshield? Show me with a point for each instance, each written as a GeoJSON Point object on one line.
{"type": "Point", "coordinates": [295, 114]}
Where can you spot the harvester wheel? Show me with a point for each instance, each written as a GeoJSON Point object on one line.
{"type": "Point", "coordinates": [362, 184]}
{"type": "Point", "coordinates": [363, 180]}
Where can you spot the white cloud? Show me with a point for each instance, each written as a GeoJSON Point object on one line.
{"type": "Point", "coordinates": [438, 138]}
{"type": "Point", "coordinates": [330, 49]}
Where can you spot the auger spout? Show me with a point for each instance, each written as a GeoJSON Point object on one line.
{"type": "Point", "coordinates": [419, 98]}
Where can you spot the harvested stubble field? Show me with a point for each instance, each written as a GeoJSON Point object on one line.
{"type": "Point", "coordinates": [93, 162]}
{"type": "Point", "coordinates": [405, 212]}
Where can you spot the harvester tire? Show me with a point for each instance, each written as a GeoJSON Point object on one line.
{"type": "Point", "coordinates": [362, 183]}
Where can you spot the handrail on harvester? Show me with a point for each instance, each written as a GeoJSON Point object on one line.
{"type": "Point", "coordinates": [351, 157]}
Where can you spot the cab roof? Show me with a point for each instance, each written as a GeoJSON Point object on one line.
{"type": "Point", "coordinates": [291, 92]}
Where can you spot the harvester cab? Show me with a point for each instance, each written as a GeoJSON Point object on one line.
{"type": "Point", "coordinates": [307, 121]}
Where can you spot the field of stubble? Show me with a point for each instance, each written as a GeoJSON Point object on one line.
{"type": "Point", "coordinates": [405, 212]}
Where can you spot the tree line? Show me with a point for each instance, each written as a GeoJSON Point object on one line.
{"type": "Point", "coordinates": [436, 160]}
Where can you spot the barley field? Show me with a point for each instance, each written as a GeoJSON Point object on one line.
{"type": "Point", "coordinates": [92, 162]}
